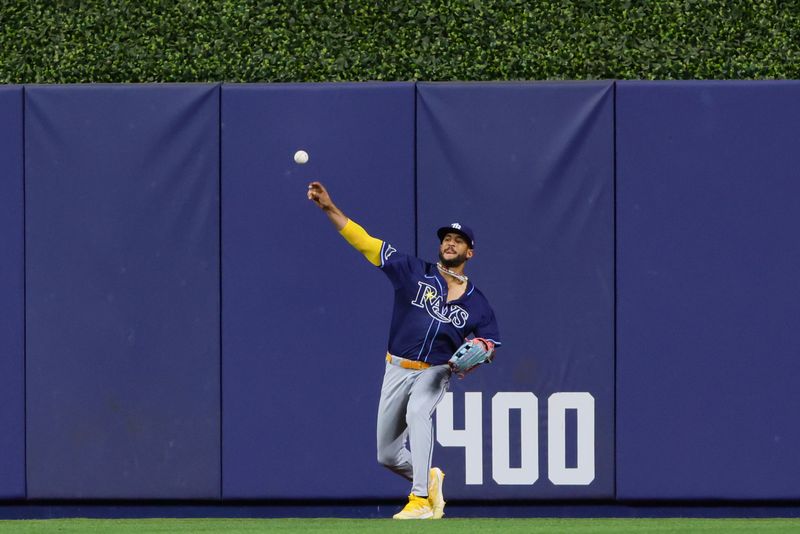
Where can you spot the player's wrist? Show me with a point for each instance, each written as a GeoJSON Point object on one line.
{"type": "Point", "coordinates": [332, 209]}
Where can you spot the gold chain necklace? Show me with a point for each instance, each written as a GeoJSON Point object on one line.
{"type": "Point", "coordinates": [460, 277]}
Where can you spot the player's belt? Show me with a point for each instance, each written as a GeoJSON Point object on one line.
{"type": "Point", "coordinates": [405, 363]}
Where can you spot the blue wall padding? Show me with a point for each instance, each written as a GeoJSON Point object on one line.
{"type": "Point", "coordinates": [12, 280]}
{"type": "Point", "coordinates": [305, 316]}
{"type": "Point", "coordinates": [123, 307]}
{"type": "Point", "coordinates": [160, 341]}
{"type": "Point", "coordinates": [709, 300]}
{"type": "Point", "coordinates": [529, 166]}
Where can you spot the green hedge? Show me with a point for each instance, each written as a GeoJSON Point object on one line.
{"type": "Point", "coordinates": [49, 41]}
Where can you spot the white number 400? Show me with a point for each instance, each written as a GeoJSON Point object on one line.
{"type": "Point", "coordinates": [471, 437]}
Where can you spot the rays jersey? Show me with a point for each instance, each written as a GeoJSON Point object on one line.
{"type": "Point", "coordinates": [424, 325]}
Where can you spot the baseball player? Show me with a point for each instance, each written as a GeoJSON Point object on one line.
{"type": "Point", "coordinates": [435, 308]}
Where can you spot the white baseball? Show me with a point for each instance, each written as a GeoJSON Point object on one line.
{"type": "Point", "coordinates": [301, 157]}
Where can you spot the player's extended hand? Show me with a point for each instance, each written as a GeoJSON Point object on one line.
{"type": "Point", "coordinates": [319, 195]}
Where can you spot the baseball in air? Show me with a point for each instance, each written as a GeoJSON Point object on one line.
{"type": "Point", "coordinates": [300, 157]}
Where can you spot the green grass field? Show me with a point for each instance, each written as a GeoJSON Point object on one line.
{"type": "Point", "coordinates": [388, 526]}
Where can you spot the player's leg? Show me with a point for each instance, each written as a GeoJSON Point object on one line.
{"type": "Point", "coordinates": [428, 390]}
{"type": "Point", "coordinates": [392, 429]}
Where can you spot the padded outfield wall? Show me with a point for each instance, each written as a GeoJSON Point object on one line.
{"type": "Point", "coordinates": [179, 322]}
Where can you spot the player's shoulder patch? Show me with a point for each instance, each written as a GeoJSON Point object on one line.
{"type": "Point", "coordinates": [386, 252]}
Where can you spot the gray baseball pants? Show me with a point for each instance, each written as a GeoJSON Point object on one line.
{"type": "Point", "coordinates": [408, 399]}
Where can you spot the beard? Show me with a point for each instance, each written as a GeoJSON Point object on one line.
{"type": "Point", "coordinates": [453, 262]}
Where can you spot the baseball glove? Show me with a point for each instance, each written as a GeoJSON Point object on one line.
{"type": "Point", "coordinates": [470, 355]}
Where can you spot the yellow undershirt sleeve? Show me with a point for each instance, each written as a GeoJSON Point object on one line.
{"type": "Point", "coordinates": [363, 242]}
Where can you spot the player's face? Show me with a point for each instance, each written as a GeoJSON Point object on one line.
{"type": "Point", "coordinates": [454, 250]}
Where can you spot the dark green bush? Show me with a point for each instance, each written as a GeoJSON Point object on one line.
{"type": "Point", "coordinates": [334, 40]}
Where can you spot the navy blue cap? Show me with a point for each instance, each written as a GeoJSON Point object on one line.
{"type": "Point", "coordinates": [460, 229]}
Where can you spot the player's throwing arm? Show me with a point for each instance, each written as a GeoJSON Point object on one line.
{"type": "Point", "coordinates": [319, 195]}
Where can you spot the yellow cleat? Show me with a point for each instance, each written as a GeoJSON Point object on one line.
{"type": "Point", "coordinates": [435, 493]}
{"type": "Point", "coordinates": [417, 508]}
